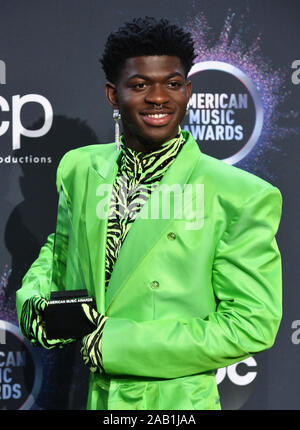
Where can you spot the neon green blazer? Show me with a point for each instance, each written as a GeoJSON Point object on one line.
{"type": "Point", "coordinates": [190, 292]}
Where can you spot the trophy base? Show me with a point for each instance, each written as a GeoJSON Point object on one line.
{"type": "Point", "coordinates": [64, 317]}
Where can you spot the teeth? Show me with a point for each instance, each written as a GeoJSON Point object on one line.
{"type": "Point", "coordinates": [157, 115]}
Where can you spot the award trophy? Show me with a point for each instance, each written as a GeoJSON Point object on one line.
{"type": "Point", "coordinates": [64, 317]}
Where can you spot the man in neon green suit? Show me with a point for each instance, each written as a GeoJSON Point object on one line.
{"type": "Point", "coordinates": [177, 296]}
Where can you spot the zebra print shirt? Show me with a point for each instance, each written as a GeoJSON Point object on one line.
{"type": "Point", "coordinates": [139, 173]}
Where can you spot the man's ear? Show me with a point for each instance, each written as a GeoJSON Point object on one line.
{"type": "Point", "coordinates": [189, 89]}
{"type": "Point", "coordinates": [111, 94]}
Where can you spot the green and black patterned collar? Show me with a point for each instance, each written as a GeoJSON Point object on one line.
{"type": "Point", "coordinates": [153, 164]}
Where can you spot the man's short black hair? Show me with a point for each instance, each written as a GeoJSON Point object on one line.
{"type": "Point", "coordinates": [146, 36]}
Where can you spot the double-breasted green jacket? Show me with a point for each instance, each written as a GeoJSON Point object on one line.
{"type": "Point", "coordinates": [194, 289]}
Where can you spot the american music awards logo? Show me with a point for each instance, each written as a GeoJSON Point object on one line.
{"type": "Point", "coordinates": [234, 109]}
{"type": "Point", "coordinates": [20, 369]}
{"type": "Point", "coordinates": [225, 113]}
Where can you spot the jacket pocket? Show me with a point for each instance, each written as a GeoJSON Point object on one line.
{"type": "Point", "coordinates": [202, 391]}
{"type": "Point", "coordinates": [197, 392]}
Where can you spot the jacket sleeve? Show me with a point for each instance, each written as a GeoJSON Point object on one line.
{"type": "Point", "coordinates": [246, 279]}
{"type": "Point", "coordinates": [38, 278]}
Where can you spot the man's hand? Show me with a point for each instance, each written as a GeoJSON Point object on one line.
{"type": "Point", "coordinates": [33, 326]}
{"type": "Point", "coordinates": [91, 344]}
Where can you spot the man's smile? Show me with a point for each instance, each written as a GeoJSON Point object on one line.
{"type": "Point", "coordinates": [156, 119]}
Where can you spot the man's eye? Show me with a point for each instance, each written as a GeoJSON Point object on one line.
{"type": "Point", "coordinates": [140, 85]}
{"type": "Point", "coordinates": [174, 84]}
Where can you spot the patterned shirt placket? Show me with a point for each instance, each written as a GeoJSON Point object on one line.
{"type": "Point", "coordinates": [139, 173]}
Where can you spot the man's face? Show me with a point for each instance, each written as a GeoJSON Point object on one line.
{"type": "Point", "coordinates": [151, 95]}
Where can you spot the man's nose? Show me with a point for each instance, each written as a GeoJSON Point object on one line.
{"type": "Point", "coordinates": [157, 94]}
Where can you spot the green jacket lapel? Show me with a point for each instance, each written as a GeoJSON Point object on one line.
{"type": "Point", "coordinates": [100, 179]}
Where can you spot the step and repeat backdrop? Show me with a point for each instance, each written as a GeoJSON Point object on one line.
{"type": "Point", "coordinates": [244, 110]}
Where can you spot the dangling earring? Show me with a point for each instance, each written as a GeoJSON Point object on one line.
{"type": "Point", "coordinates": [117, 117]}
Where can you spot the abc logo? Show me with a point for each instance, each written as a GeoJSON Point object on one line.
{"type": "Point", "coordinates": [16, 106]}
{"type": "Point", "coordinates": [234, 376]}
{"type": "Point", "coordinates": [236, 383]}
{"type": "Point", "coordinates": [18, 129]}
